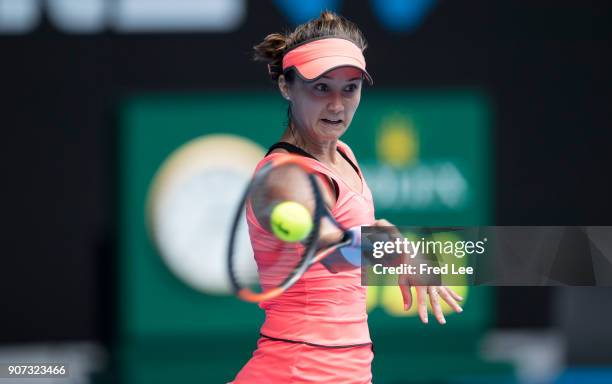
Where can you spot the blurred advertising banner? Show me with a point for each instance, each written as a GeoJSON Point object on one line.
{"type": "Point", "coordinates": [184, 160]}
{"type": "Point", "coordinates": [181, 16]}
{"type": "Point", "coordinates": [426, 157]}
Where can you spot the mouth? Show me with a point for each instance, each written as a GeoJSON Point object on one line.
{"type": "Point", "coordinates": [332, 122]}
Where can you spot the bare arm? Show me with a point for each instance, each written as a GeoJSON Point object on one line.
{"type": "Point", "coordinates": [291, 184]}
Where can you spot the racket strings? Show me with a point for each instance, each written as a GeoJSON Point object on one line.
{"type": "Point", "coordinates": [273, 259]}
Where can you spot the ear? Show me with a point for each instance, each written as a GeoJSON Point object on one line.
{"type": "Point", "coordinates": [283, 86]}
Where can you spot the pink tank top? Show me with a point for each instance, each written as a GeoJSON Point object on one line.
{"type": "Point", "coordinates": [322, 308]}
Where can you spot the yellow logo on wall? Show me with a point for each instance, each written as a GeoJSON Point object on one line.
{"type": "Point", "coordinates": [402, 182]}
{"type": "Point", "coordinates": [397, 143]}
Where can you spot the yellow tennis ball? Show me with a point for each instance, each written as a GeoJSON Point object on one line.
{"type": "Point", "coordinates": [290, 221]}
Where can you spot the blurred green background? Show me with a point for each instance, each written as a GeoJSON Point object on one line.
{"type": "Point", "coordinates": [409, 143]}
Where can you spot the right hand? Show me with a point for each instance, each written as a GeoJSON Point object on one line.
{"type": "Point", "coordinates": [422, 291]}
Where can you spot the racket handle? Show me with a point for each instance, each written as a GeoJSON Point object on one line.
{"type": "Point", "coordinates": [352, 251]}
{"type": "Point", "coordinates": [355, 233]}
{"type": "Point", "coordinates": [347, 257]}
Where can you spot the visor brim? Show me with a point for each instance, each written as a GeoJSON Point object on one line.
{"type": "Point", "coordinates": [314, 69]}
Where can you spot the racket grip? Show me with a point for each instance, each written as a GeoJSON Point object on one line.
{"type": "Point", "coordinates": [347, 257]}
{"type": "Point", "coordinates": [352, 251]}
{"type": "Point", "coordinates": [355, 233]}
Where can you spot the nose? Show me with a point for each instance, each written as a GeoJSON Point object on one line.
{"type": "Point", "coordinates": [335, 103]}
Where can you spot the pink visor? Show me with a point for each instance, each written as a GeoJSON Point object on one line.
{"type": "Point", "coordinates": [315, 58]}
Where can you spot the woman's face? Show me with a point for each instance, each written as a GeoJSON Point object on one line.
{"type": "Point", "coordinates": [322, 110]}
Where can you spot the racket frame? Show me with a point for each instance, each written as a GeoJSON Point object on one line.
{"type": "Point", "coordinates": [311, 253]}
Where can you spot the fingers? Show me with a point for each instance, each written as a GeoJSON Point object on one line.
{"type": "Point", "coordinates": [421, 293]}
{"type": "Point", "coordinates": [406, 296]}
{"type": "Point", "coordinates": [435, 293]}
{"type": "Point", "coordinates": [454, 294]}
{"type": "Point", "coordinates": [434, 299]}
{"type": "Point", "coordinates": [404, 285]}
{"type": "Point", "coordinates": [447, 295]}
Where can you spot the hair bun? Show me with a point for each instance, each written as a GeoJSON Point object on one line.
{"type": "Point", "coordinates": [329, 24]}
{"type": "Point", "coordinates": [271, 51]}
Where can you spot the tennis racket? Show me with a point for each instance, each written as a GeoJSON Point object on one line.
{"type": "Point", "coordinates": [280, 263]}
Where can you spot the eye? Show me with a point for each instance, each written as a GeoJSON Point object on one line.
{"type": "Point", "coordinates": [321, 87]}
{"type": "Point", "coordinates": [350, 88]}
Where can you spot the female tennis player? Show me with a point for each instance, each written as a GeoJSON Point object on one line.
{"type": "Point", "coordinates": [317, 331]}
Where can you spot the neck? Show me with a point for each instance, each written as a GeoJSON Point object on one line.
{"type": "Point", "coordinates": [324, 151]}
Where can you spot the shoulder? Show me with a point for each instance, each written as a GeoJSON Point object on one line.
{"type": "Point", "coordinates": [324, 175]}
{"type": "Point", "coordinates": [346, 149]}
{"type": "Point", "coordinates": [277, 150]}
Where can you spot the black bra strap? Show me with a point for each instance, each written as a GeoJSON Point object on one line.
{"type": "Point", "coordinates": [349, 161]}
{"type": "Point", "coordinates": [290, 148]}
{"type": "Point", "coordinates": [295, 149]}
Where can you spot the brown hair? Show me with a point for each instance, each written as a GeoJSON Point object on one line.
{"type": "Point", "coordinates": [329, 24]}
